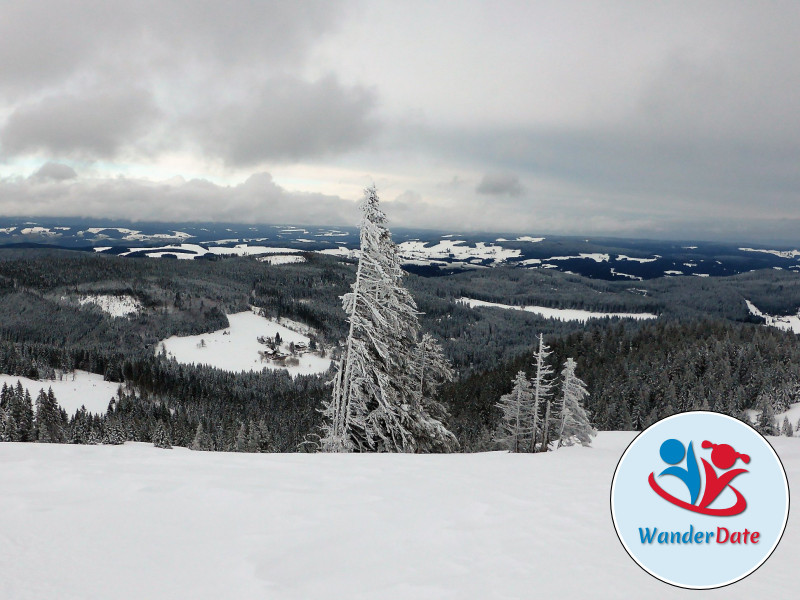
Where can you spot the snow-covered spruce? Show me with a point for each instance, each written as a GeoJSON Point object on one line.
{"type": "Point", "coordinates": [379, 392]}
{"type": "Point", "coordinates": [515, 425]}
{"type": "Point", "coordinates": [542, 395]}
{"type": "Point", "coordinates": [575, 425]}
{"type": "Point", "coordinates": [161, 437]}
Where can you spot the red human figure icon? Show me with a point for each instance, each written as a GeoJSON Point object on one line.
{"type": "Point", "coordinates": [724, 457]}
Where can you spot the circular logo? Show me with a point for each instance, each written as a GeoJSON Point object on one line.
{"type": "Point", "coordinates": [699, 500]}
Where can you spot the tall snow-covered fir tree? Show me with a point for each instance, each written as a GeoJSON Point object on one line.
{"type": "Point", "coordinates": [574, 425]}
{"type": "Point", "coordinates": [376, 403]}
{"type": "Point", "coordinates": [516, 420]}
{"type": "Point", "coordinates": [542, 395]}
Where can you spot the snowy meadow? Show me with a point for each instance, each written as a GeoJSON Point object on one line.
{"type": "Point", "coordinates": [132, 521]}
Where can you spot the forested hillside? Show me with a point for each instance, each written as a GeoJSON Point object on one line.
{"type": "Point", "coordinates": [705, 349]}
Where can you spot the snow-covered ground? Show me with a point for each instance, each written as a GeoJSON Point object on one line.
{"type": "Point", "coordinates": [781, 253]}
{"type": "Point", "coordinates": [134, 522]}
{"type": "Point", "coordinates": [562, 314]}
{"type": "Point", "coordinates": [282, 259]}
{"type": "Point", "coordinates": [455, 250]}
{"type": "Point", "coordinates": [595, 256]}
{"type": "Point", "coordinates": [87, 389]}
{"type": "Point", "coordinates": [114, 305]}
{"type": "Point", "coordinates": [237, 347]}
{"type": "Point", "coordinates": [790, 323]}
{"type": "Point", "coordinates": [191, 251]}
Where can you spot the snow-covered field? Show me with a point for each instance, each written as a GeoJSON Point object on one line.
{"type": "Point", "coordinates": [237, 347]}
{"type": "Point", "coordinates": [282, 259]}
{"type": "Point", "coordinates": [134, 522]}
{"type": "Point", "coordinates": [562, 314]}
{"type": "Point", "coordinates": [116, 306]}
{"type": "Point", "coordinates": [455, 250]}
{"type": "Point", "coordinates": [87, 389]}
{"type": "Point", "coordinates": [781, 253]}
{"type": "Point", "coordinates": [790, 323]}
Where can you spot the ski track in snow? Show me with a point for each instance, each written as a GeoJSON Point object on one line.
{"type": "Point", "coordinates": [237, 350]}
{"type": "Point", "coordinates": [133, 522]}
{"type": "Point", "coordinates": [562, 314]}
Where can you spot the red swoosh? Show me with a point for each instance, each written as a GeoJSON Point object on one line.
{"type": "Point", "coordinates": [736, 509]}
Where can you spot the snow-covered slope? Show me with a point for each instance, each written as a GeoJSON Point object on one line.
{"type": "Point", "coordinates": [115, 305]}
{"type": "Point", "coordinates": [72, 391]}
{"type": "Point", "coordinates": [237, 347]}
{"type": "Point", "coordinates": [134, 522]}
{"type": "Point", "coordinates": [788, 323]}
{"type": "Point", "coordinates": [562, 314]}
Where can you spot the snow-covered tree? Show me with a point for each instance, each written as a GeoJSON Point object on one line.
{"type": "Point", "coordinates": [4, 436]}
{"type": "Point", "coordinates": [787, 428]}
{"type": "Point", "coordinates": [765, 422]}
{"type": "Point", "coordinates": [432, 369]}
{"type": "Point", "coordinates": [542, 396]}
{"type": "Point", "coordinates": [161, 437]}
{"type": "Point", "coordinates": [240, 445]}
{"type": "Point", "coordinates": [574, 425]}
{"type": "Point", "coordinates": [114, 434]}
{"type": "Point", "coordinates": [48, 420]}
{"type": "Point", "coordinates": [516, 408]}
{"type": "Point", "coordinates": [202, 439]}
{"type": "Point", "coordinates": [375, 405]}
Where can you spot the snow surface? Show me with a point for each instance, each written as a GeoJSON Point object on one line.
{"type": "Point", "coordinates": [284, 259]}
{"type": "Point", "coordinates": [237, 348]}
{"type": "Point", "coordinates": [38, 231]}
{"type": "Point", "coordinates": [562, 314]}
{"type": "Point", "coordinates": [781, 253]}
{"type": "Point", "coordinates": [190, 251]}
{"type": "Point", "coordinates": [455, 250]}
{"type": "Point", "coordinates": [628, 275]}
{"type": "Point", "coordinates": [134, 522]}
{"type": "Point", "coordinates": [792, 413]}
{"type": "Point", "coordinates": [790, 323]}
{"type": "Point", "coordinates": [595, 256]}
{"type": "Point", "coordinates": [87, 389]}
{"type": "Point", "coordinates": [116, 306]}
{"type": "Point", "coordinates": [635, 259]}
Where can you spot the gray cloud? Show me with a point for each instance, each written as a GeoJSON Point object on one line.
{"type": "Point", "coordinates": [499, 184]}
{"type": "Point", "coordinates": [54, 172]}
{"type": "Point", "coordinates": [617, 116]}
{"type": "Point", "coordinates": [256, 200]}
{"type": "Point", "coordinates": [96, 124]}
{"type": "Point", "coordinates": [45, 42]}
{"type": "Point", "coordinates": [289, 119]}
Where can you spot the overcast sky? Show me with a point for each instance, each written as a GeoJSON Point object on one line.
{"type": "Point", "coordinates": [667, 119]}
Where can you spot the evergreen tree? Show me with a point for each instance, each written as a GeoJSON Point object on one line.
{"type": "Point", "coordinates": [765, 422]}
{"type": "Point", "coordinates": [4, 437]}
{"type": "Point", "coordinates": [542, 395]}
{"type": "Point", "coordinates": [516, 415]}
{"type": "Point", "coordinates": [787, 430]}
{"type": "Point", "coordinates": [114, 434]}
{"type": "Point", "coordinates": [432, 369]}
{"type": "Point", "coordinates": [240, 445]}
{"type": "Point", "coordinates": [202, 439]}
{"type": "Point", "coordinates": [375, 405]}
{"type": "Point", "coordinates": [575, 425]}
{"type": "Point", "coordinates": [48, 421]}
{"type": "Point", "coordinates": [161, 437]}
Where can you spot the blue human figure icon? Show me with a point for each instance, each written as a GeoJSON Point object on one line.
{"type": "Point", "coordinates": [672, 453]}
